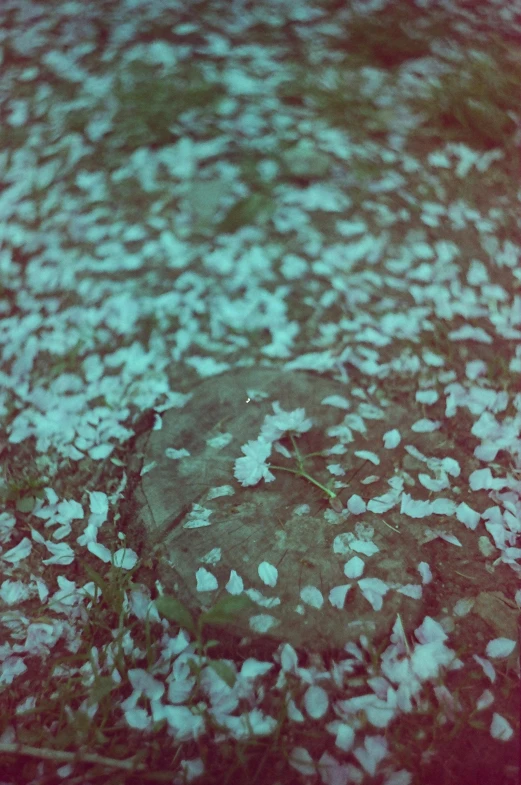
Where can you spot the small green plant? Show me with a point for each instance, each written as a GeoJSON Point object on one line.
{"type": "Point", "coordinates": [253, 467]}
{"type": "Point", "coordinates": [223, 612]}
{"type": "Point", "coordinates": [257, 208]}
{"type": "Point", "coordinates": [22, 490]}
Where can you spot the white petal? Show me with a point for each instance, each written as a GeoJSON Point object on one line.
{"type": "Point", "coordinates": [500, 728]}
{"type": "Point", "coordinates": [354, 568]}
{"type": "Point", "coordinates": [337, 595]}
{"type": "Point", "coordinates": [125, 558]}
{"type": "Point", "coordinates": [312, 596]}
{"type": "Point", "coordinates": [263, 622]}
{"type": "Point", "coordinates": [500, 647]}
{"type": "Point", "coordinates": [356, 504]}
{"type": "Point", "coordinates": [235, 583]}
{"type": "Point", "coordinates": [391, 439]}
{"type": "Point", "coordinates": [205, 580]}
{"type": "Point", "coordinates": [268, 573]}
{"type": "Point", "coordinates": [302, 761]}
{"type": "Point", "coordinates": [316, 701]}
{"type": "Point", "coordinates": [345, 737]}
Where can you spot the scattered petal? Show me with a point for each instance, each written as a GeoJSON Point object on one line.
{"type": "Point", "coordinates": [425, 426]}
{"type": "Point", "coordinates": [391, 439]}
{"type": "Point", "coordinates": [302, 761]}
{"type": "Point", "coordinates": [316, 701]}
{"type": "Point", "coordinates": [487, 666]}
{"type": "Point", "coordinates": [500, 647]}
{"type": "Point", "coordinates": [354, 568]}
{"type": "Point", "coordinates": [372, 753]}
{"type": "Point", "coordinates": [356, 505]}
{"type": "Point", "coordinates": [373, 590]}
{"type": "Point", "coordinates": [337, 595]}
{"type": "Point", "coordinates": [368, 456]}
{"type": "Point", "coordinates": [425, 572]}
{"type": "Point", "coordinates": [268, 573]}
{"type": "Point", "coordinates": [312, 596]}
{"type": "Point", "coordinates": [235, 583]}
{"type": "Point", "coordinates": [262, 622]}
{"type": "Point", "coordinates": [125, 558]}
{"type": "Point", "coordinates": [467, 516]}
{"type": "Point", "coordinates": [501, 728]}
{"type": "Point", "coordinates": [205, 580]}
{"type": "Point", "coordinates": [345, 737]}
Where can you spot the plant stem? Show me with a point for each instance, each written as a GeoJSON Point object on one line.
{"type": "Point", "coordinates": [301, 472]}
{"type": "Point", "coordinates": [327, 491]}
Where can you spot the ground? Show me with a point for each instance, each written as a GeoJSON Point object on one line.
{"type": "Point", "coordinates": [194, 188]}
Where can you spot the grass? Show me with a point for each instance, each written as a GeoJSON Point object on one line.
{"type": "Point", "coordinates": [81, 702]}
{"type": "Point", "coordinates": [94, 640]}
{"type": "Point", "coordinates": [474, 103]}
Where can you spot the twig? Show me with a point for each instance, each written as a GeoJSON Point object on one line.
{"type": "Point", "coordinates": [391, 527]}
{"type": "Point", "coordinates": [71, 757]}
